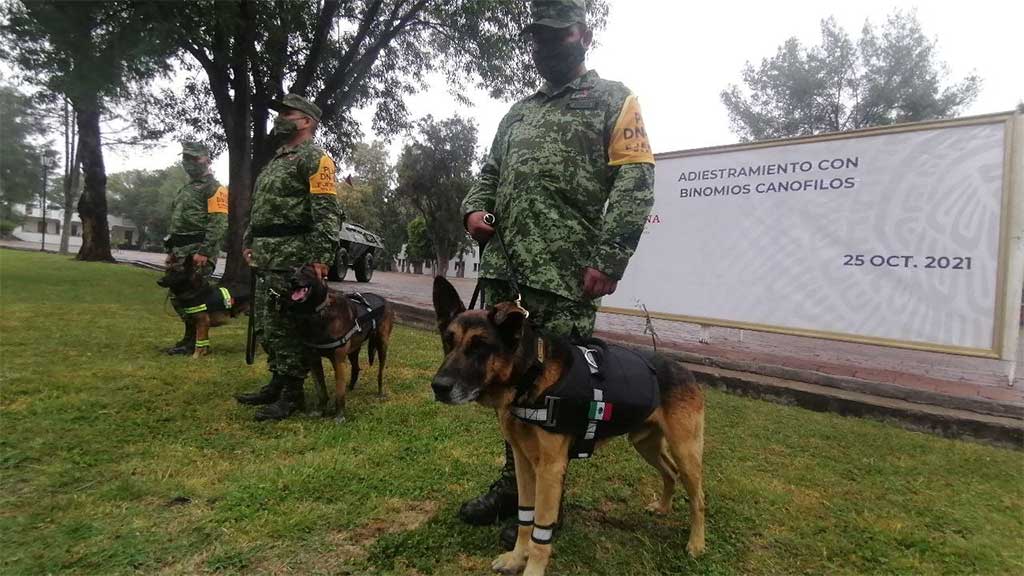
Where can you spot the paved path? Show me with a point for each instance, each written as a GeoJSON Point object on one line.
{"type": "Point", "coordinates": [910, 369]}
{"type": "Point", "coordinates": [899, 372]}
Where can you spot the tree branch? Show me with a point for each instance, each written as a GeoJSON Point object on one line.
{"type": "Point", "coordinates": [323, 29]}
{"type": "Point", "coordinates": [367, 60]}
{"type": "Point", "coordinates": [341, 71]}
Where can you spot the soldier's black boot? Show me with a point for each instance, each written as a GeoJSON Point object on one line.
{"type": "Point", "coordinates": [290, 401]}
{"type": "Point", "coordinates": [501, 500]}
{"type": "Point", "coordinates": [266, 395]}
{"type": "Point", "coordinates": [187, 344]}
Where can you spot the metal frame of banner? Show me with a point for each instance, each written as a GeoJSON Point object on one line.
{"type": "Point", "coordinates": [1010, 263]}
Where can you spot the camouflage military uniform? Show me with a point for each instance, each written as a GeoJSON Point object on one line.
{"type": "Point", "coordinates": [294, 221]}
{"type": "Point", "coordinates": [199, 220]}
{"type": "Point", "coordinates": [570, 178]}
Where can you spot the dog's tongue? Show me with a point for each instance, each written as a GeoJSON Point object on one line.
{"type": "Point", "coordinates": [300, 294]}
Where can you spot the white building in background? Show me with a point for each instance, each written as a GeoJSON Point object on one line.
{"type": "Point", "coordinates": [123, 231]}
{"type": "Point", "coordinates": [465, 266]}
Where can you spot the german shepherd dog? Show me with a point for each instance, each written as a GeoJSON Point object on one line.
{"type": "Point", "coordinates": [486, 354]}
{"type": "Point", "coordinates": [323, 317]}
{"type": "Point", "coordinates": [190, 288]}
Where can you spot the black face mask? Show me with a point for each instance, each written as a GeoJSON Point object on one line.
{"type": "Point", "coordinates": [194, 168]}
{"type": "Point", "coordinates": [557, 63]}
{"type": "Point", "coordinates": [284, 129]}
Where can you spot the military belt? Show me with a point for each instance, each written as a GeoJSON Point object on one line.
{"type": "Point", "coordinates": [177, 240]}
{"type": "Point", "coordinates": [280, 230]}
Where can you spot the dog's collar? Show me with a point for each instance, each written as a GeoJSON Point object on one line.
{"type": "Point", "coordinates": [527, 380]}
{"type": "Point", "coordinates": [320, 307]}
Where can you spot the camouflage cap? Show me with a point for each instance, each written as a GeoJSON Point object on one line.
{"type": "Point", "coordinates": [194, 148]}
{"type": "Point", "coordinates": [556, 13]}
{"type": "Point", "coordinates": [296, 102]}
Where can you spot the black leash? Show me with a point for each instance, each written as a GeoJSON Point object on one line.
{"type": "Point", "coordinates": [478, 290]}
{"type": "Point", "coordinates": [491, 221]}
{"type": "Point", "coordinates": [250, 328]}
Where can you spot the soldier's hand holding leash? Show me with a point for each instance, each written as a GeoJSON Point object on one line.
{"type": "Point", "coordinates": [478, 227]}
{"type": "Point", "coordinates": [597, 283]}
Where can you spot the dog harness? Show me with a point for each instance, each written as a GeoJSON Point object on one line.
{"type": "Point", "coordinates": [218, 300]}
{"type": "Point", "coordinates": [607, 391]}
{"type": "Point", "coordinates": [370, 308]}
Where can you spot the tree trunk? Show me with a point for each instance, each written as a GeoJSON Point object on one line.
{"type": "Point", "coordinates": [92, 206]}
{"type": "Point", "coordinates": [240, 180]}
{"type": "Point", "coordinates": [70, 174]}
{"type": "Point", "coordinates": [240, 150]}
{"type": "Point", "coordinates": [417, 267]}
{"type": "Point", "coordinates": [441, 265]}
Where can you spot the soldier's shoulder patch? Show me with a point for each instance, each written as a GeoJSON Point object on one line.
{"type": "Point", "coordinates": [218, 203]}
{"type": "Point", "coordinates": [322, 181]}
{"type": "Point", "coordinates": [629, 143]}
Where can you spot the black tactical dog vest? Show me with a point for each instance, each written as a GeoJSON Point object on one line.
{"type": "Point", "coordinates": [213, 300]}
{"type": "Point", "coordinates": [607, 391]}
{"type": "Point", "coordinates": [369, 310]}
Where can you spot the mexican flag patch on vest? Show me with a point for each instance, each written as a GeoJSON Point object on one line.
{"type": "Point", "coordinates": [601, 411]}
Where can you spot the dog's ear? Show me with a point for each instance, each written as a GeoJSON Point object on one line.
{"type": "Point", "coordinates": [510, 319]}
{"type": "Point", "coordinates": [447, 302]}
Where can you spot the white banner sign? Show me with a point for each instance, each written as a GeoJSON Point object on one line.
{"type": "Point", "coordinates": [892, 237]}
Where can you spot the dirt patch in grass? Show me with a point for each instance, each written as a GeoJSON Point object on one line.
{"type": "Point", "coordinates": [342, 548]}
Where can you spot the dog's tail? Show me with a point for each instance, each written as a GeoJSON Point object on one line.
{"type": "Point", "coordinates": [371, 350]}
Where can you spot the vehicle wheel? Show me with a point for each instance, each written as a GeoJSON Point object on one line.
{"type": "Point", "coordinates": [338, 272]}
{"type": "Point", "coordinates": [364, 268]}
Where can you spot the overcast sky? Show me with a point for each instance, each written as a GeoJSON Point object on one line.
{"type": "Point", "coordinates": [678, 56]}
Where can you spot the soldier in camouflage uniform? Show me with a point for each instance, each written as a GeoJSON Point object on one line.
{"type": "Point", "coordinates": [199, 219]}
{"type": "Point", "coordinates": [294, 221]}
{"type": "Point", "coordinates": [570, 178]}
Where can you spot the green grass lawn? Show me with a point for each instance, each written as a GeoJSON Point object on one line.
{"type": "Point", "coordinates": [117, 459]}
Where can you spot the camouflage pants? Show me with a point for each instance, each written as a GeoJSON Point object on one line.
{"type": "Point", "coordinates": [206, 270]}
{"type": "Point", "coordinates": [286, 354]}
{"type": "Point", "coordinates": [549, 313]}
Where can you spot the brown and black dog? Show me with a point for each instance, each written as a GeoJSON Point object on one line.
{"type": "Point", "coordinates": [205, 304]}
{"type": "Point", "coordinates": [335, 325]}
{"type": "Point", "coordinates": [487, 352]}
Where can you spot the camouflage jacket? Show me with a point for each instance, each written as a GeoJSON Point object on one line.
{"type": "Point", "coordinates": [570, 177]}
{"type": "Point", "coordinates": [200, 210]}
{"type": "Point", "coordinates": [295, 214]}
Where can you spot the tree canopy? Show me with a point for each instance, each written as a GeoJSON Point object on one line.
{"type": "Point", "coordinates": [145, 197]}
{"type": "Point", "coordinates": [21, 148]}
{"type": "Point", "coordinates": [91, 52]}
{"type": "Point", "coordinates": [242, 56]}
{"type": "Point", "coordinates": [435, 171]}
{"type": "Point", "coordinates": [885, 77]}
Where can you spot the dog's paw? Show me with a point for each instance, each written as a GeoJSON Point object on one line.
{"type": "Point", "coordinates": [382, 396]}
{"type": "Point", "coordinates": [340, 418]}
{"type": "Point", "coordinates": [658, 508]}
{"type": "Point", "coordinates": [509, 563]}
{"type": "Point", "coordinates": [534, 571]}
{"type": "Point", "coordinates": [695, 547]}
